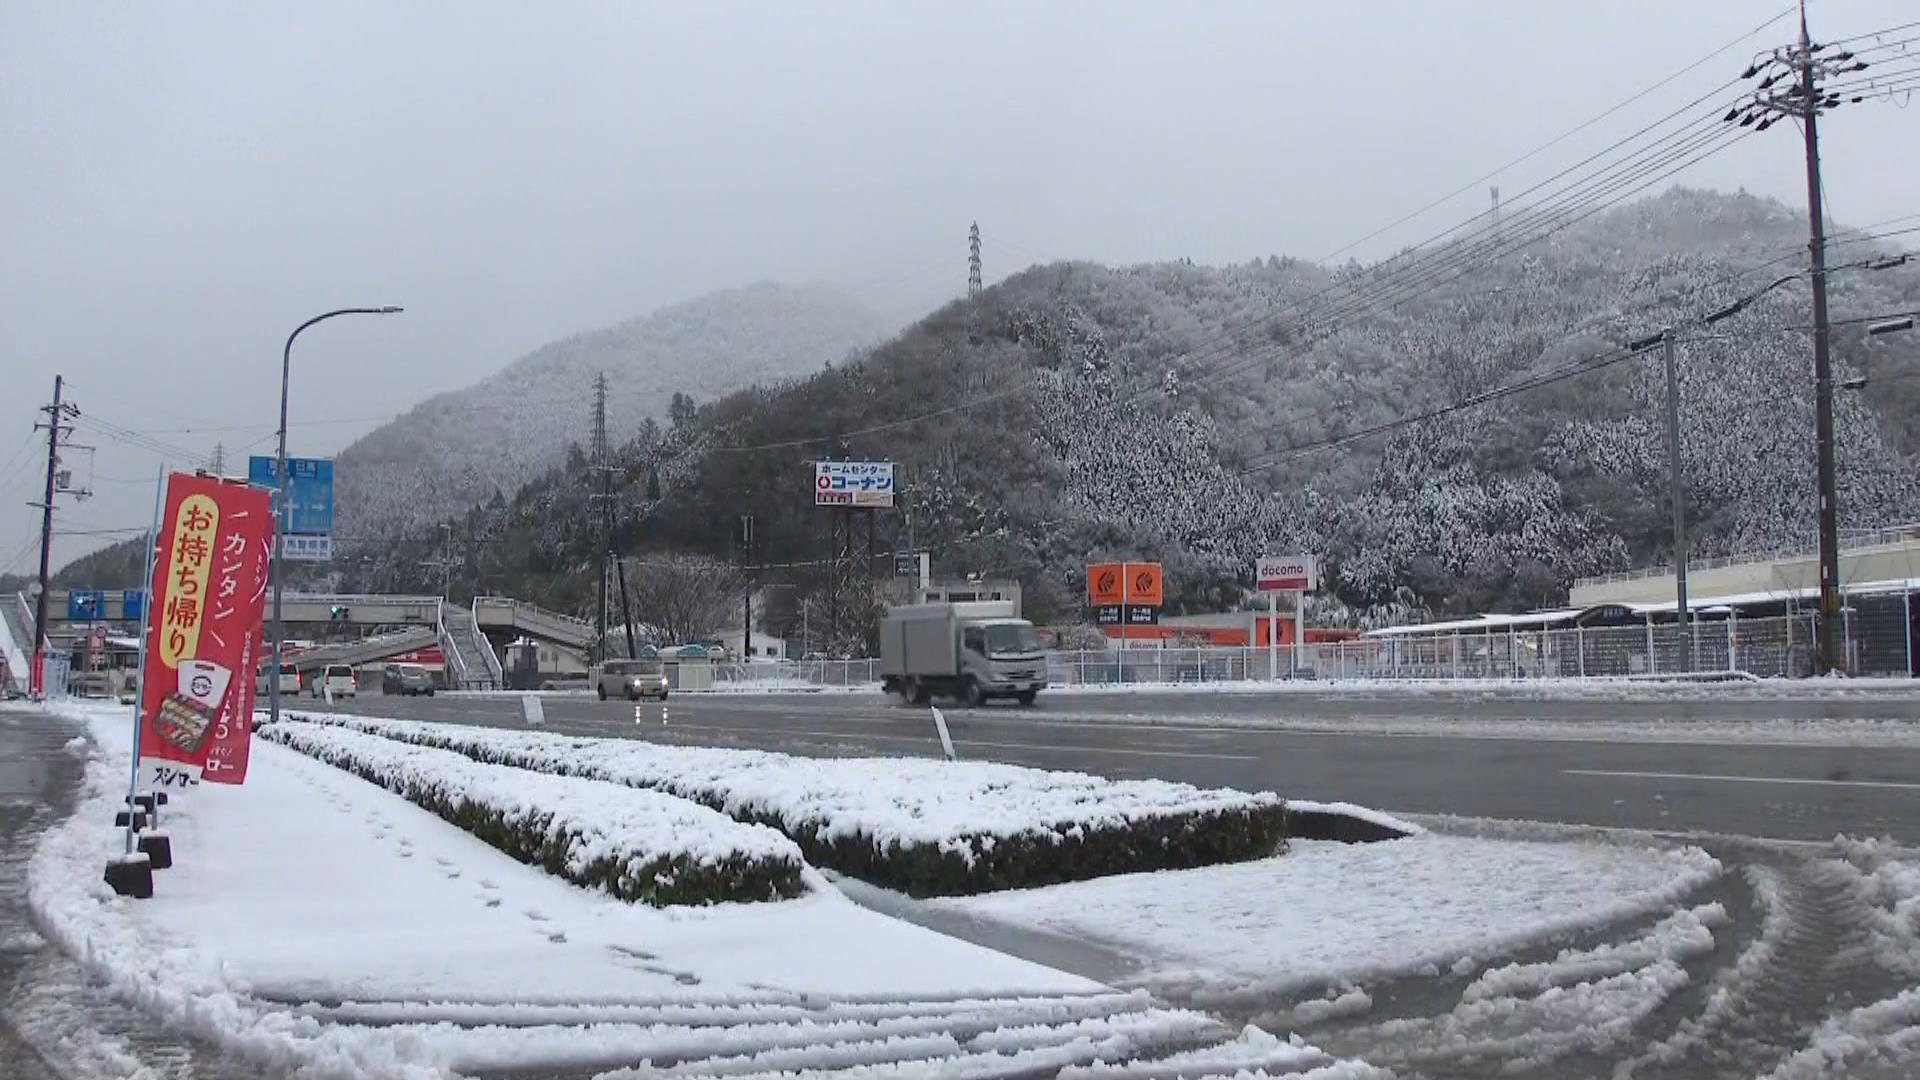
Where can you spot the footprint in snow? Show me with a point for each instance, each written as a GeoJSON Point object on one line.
{"type": "Point", "coordinates": [557, 938]}
{"type": "Point", "coordinates": [485, 884]}
{"type": "Point", "coordinates": [534, 915]}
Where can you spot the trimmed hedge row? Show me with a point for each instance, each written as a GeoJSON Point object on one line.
{"type": "Point", "coordinates": [1040, 853]}
{"type": "Point", "coordinates": [636, 863]}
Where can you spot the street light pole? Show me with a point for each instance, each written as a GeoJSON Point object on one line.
{"type": "Point", "coordinates": [280, 497]}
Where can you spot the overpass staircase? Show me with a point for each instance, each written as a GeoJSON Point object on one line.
{"type": "Point", "coordinates": [471, 661]}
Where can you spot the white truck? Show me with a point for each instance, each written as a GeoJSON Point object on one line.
{"type": "Point", "coordinates": [974, 651]}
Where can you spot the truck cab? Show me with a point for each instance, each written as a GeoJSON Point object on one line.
{"type": "Point", "coordinates": [974, 651]}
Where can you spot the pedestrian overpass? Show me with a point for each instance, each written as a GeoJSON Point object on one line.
{"type": "Point", "coordinates": [401, 623]}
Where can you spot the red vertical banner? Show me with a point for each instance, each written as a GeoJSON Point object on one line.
{"type": "Point", "coordinates": [209, 582]}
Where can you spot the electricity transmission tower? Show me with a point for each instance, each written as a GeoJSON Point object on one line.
{"type": "Point", "coordinates": [973, 260]}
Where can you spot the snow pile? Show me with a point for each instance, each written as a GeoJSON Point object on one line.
{"type": "Point", "coordinates": [1679, 937]}
{"type": "Point", "coordinates": [1330, 914]}
{"type": "Point", "coordinates": [637, 845]}
{"type": "Point", "coordinates": [17, 668]}
{"type": "Point", "coordinates": [918, 824]}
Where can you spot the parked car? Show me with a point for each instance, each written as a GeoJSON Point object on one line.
{"type": "Point", "coordinates": [632, 679]}
{"type": "Point", "coordinates": [337, 680]}
{"type": "Point", "coordinates": [406, 680]}
{"type": "Point", "coordinates": [130, 690]}
{"type": "Point", "coordinates": [289, 679]}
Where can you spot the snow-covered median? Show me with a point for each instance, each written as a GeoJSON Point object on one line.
{"type": "Point", "coordinates": [317, 923]}
{"type": "Point", "coordinates": [1328, 914]}
{"type": "Point", "coordinates": [920, 826]}
{"type": "Point", "coordinates": [635, 844]}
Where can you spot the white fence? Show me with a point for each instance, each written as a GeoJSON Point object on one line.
{"type": "Point", "coordinates": [1877, 636]}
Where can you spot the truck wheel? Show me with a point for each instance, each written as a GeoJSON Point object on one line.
{"type": "Point", "coordinates": [1025, 697]}
{"type": "Point", "coordinates": [973, 694]}
{"type": "Point", "coordinates": [918, 693]}
{"type": "Point", "coordinates": [603, 692]}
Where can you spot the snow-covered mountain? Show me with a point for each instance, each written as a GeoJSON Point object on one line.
{"type": "Point", "coordinates": [459, 448]}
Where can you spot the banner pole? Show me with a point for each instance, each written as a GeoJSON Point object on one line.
{"type": "Point", "coordinates": [146, 630]}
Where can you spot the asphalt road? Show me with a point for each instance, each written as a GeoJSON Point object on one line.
{"type": "Point", "coordinates": [1740, 785]}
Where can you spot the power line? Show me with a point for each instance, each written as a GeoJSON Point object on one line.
{"type": "Point", "coordinates": [1557, 140]}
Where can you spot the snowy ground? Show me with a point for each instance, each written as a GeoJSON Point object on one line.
{"type": "Point", "coordinates": [316, 920]}
{"type": "Point", "coordinates": [1325, 914]}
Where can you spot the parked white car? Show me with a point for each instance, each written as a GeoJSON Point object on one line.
{"type": "Point", "coordinates": [336, 680]}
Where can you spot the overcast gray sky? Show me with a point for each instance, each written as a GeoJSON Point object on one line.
{"type": "Point", "coordinates": [185, 182]}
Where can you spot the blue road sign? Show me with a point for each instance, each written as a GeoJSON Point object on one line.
{"type": "Point", "coordinates": [133, 604]}
{"type": "Point", "coordinates": [85, 605]}
{"type": "Point", "coordinates": [309, 501]}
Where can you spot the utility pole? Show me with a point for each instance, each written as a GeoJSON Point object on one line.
{"type": "Point", "coordinates": [1676, 484]}
{"type": "Point", "coordinates": [219, 462]}
{"type": "Point", "coordinates": [746, 584]}
{"type": "Point", "coordinates": [1677, 492]}
{"type": "Point", "coordinates": [605, 498]}
{"type": "Point", "coordinates": [626, 608]}
{"type": "Point", "coordinates": [58, 414]}
{"type": "Point", "coordinates": [1791, 90]}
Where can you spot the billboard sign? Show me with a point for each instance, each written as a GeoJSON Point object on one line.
{"type": "Point", "coordinates": [309, 503]}
{"type": "Point", "coordinates": [853, 483]}
{"type": "Point", "coordinates": [209, 584]}
{"type": "Point", "coordinates": [1123, 583]}
{"type": "Point", "coordinates": [1286, 573]}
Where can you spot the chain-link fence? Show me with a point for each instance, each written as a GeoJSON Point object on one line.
{"type": "Point", "coordinates": [1876, 631]}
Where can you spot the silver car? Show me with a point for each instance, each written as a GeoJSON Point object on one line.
{"type": "Point", "coordinates": [632, 679]}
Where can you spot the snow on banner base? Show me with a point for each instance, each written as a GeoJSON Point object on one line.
{"type": "Point", "coordinates": [634, 844]}
{"type": "Point", "coordinates": [927, 828]}
{"type": "Point", "coordinates": [209, 580]}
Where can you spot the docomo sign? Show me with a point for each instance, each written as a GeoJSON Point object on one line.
{"type": "Point", "coordinates": [209, 581]}
{"type": "Point", "coordinates": [853, 483]}
{"type": "Point", "coordinates": [1286, 573]}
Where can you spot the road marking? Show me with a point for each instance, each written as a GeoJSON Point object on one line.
{"type": "Point", "coordinates": [1743, 779]}
{"type": "Point", "coordinates": [962, 743]}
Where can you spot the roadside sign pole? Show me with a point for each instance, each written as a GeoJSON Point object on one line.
{"type": "Point", "coordinates": [1299, 627]}
{"type": "Point", "coordinates": [146, 629]}
{"type": "Point", "coordinates": [1273, 634]}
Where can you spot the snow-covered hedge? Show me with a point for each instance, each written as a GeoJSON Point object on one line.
{"type": "Point", "coordinates": [637, 845]}
{"type": "Point", "coordinates": [922, 826]}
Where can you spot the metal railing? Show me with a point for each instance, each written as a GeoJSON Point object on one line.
{"type": "Point", "coordinates": [1852, 540]}
{"type": "Point", "coordinates": [1876, 631]}
{"type": "Point", "coordinates": [520, 615]}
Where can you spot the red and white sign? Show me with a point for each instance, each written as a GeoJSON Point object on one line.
{"type": "Point", "coordinates": [1286, 573]}
{"type": "Point", "coordinates": [428, 656]}
{"type": "Point", "coordinates": [209, 581]}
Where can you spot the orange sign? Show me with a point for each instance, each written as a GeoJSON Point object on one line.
{"type": "Point", "coordinates": [1123, 583]}
{"type": "Point", "coordinates": [1143, 583]}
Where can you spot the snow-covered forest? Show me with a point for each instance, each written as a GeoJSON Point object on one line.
{"type": "Point", "coordinates": [459, 448]}
{"type": "Point", "coordinates": [1205, 415]}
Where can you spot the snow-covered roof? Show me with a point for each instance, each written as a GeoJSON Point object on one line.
{"type": "Point", "coordinates": [1703, 605]}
